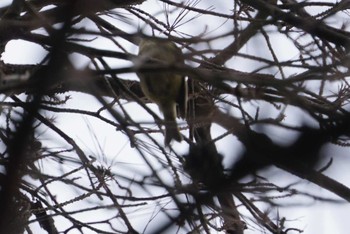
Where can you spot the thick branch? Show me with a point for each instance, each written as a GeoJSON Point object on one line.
{"type": "Point", "coordinates": [309, 25]}
{"type": "Point", "coordinates": [297, 161]}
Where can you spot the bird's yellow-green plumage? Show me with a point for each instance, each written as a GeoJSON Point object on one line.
{"type": "Point", "coordinates": [167, 89]}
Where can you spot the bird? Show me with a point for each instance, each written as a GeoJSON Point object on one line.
{"type": "Point", "coordinates": [167, 89]}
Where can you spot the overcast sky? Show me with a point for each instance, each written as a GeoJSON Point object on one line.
{"type": "Point", "coordinates": [314, 217]}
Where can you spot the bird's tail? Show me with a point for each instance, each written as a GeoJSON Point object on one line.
{"type": "Point", "coordinates": [172, 133]}
{"type": "Point", "coordinates": [171, 130]}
